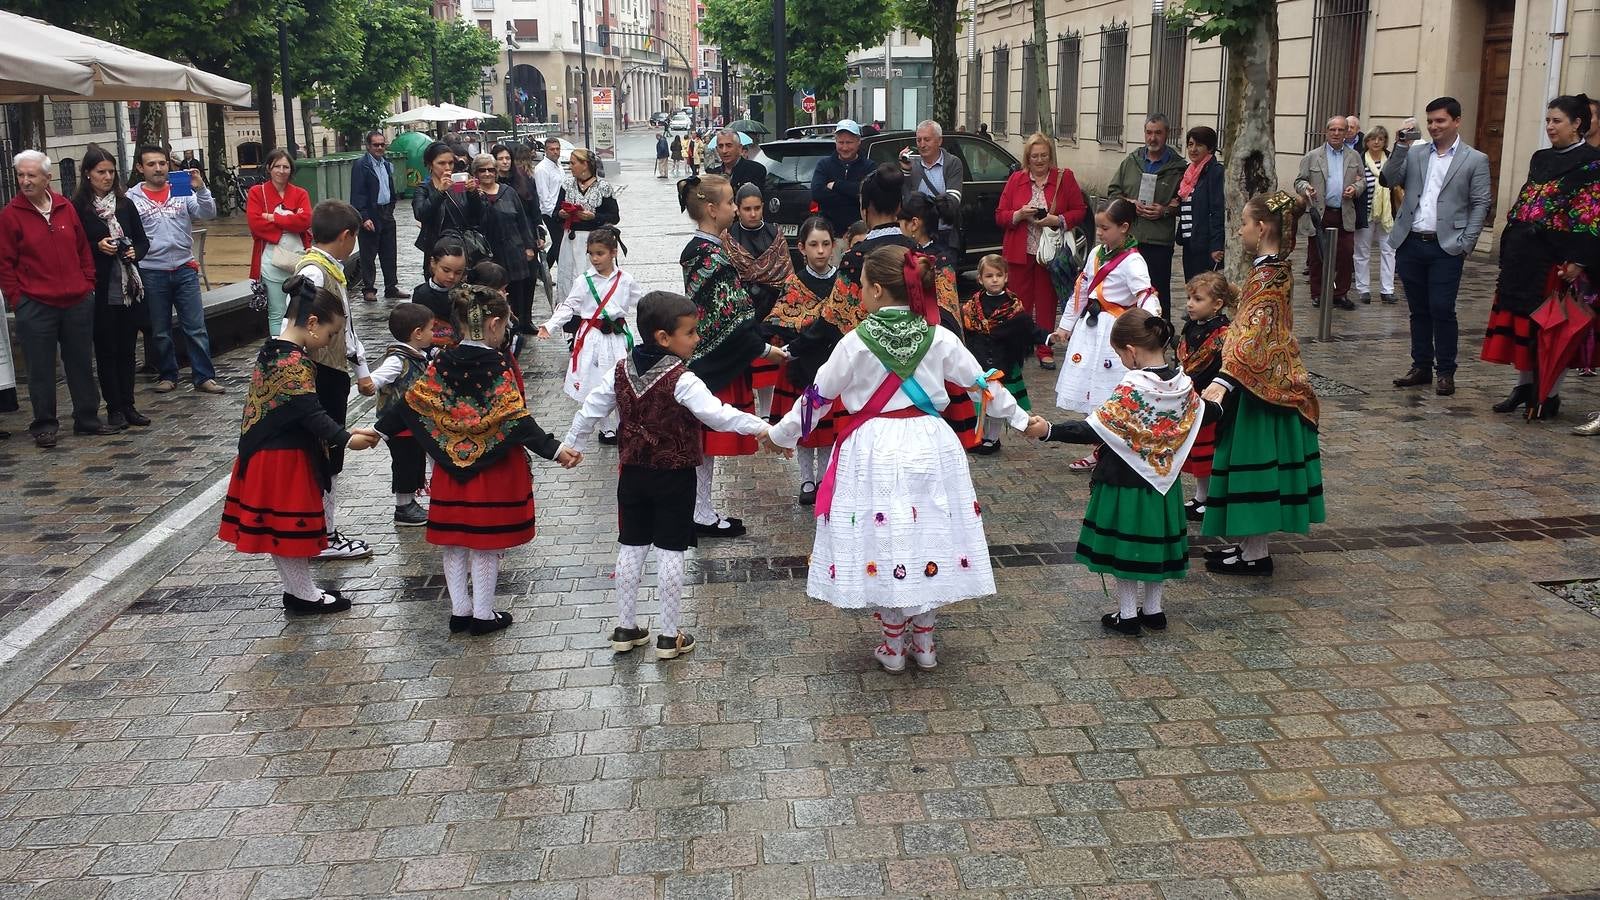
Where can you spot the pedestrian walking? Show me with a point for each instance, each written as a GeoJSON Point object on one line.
{"type": "Point", "coordinates": [373, 193]}
{"type": "Point", "coordinates": [47, 273]}
{"type": "Point", "coordinates": [279, 214]}
{"type": "Point", "coordinates": [1332, 181]}
{"type": "Point", "coordinates": [168, 208]}
{"type": "Point", "coordinates": [115, 232]}
{"type": "Point", "coordinates": [677, 156]}
{"type": "Point", "coordinates": [1149, 178]}
{"type": "Point", "coordinates": [663, 152]}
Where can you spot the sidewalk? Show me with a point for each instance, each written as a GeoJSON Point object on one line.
{"type": "Point", "coordinates": [1401, 711]}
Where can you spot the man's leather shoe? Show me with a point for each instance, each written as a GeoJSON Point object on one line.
{"type": "Point", "coordinates": [44, 440]}
{"type": "Point", "coordinates": [1343, 303]}
{"type": "Point", "coordinates": [1414, 378]}
{"type": "Point", "coordinates": [1445, 386]}
{"type": "Point", "coordinates": [396, 294]}
{"type": "Point", "coordinates": [98, 428]}
{"type": "Point", "coordinates": [135, 418]}
{"type": "Point", "coordinates": [370, 296]}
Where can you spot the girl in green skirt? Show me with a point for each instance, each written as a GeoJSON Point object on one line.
{"type": "Point", "coordinates": [1266, 475]}
{"type": "Point", "coordinates": [1134, 528]}
{"type": "Point", "coordinates": [1001, 334]}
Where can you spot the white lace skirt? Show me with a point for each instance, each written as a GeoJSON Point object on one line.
{"type": "Point", "coordinates": [599, 355]}
{"type": "Point", "coordinates": [1089, 367]}
{"type": "Point", "coordinates": [571, 262]}
{"type": "Point", "coordinates": [906, 529]}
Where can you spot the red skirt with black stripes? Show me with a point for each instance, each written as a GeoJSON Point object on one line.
{"type": "Point", "coordinates": [785, 394]}
{"type": "Point", "coordinates": [739, 395]}
{"type": "Point", "coordinates": [1205, 446]}
{"type": "Point", "coordinates": [275, 507]}
{"type": "Point", "coordinates": [493, 510]}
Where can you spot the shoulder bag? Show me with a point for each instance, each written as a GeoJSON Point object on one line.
{"type": "Point", "coordinates": [1053, 240]}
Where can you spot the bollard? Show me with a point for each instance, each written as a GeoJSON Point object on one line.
{"type": "Point", "coordinates": [1330, 253]}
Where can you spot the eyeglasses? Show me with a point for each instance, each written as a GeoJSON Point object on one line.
{"type": "Point", "coordinates": [377, 146]}
{"type": "Point", "coordinates": [484, 169]}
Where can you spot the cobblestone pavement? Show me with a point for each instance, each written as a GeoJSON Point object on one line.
{"type": "Point", "coordinates": [1402, 711]}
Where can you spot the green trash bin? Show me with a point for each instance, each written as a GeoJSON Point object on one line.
{"type": "Point", "coordinates": [406, 150]}
{"type": "Point", "coordinates": [328, 177]}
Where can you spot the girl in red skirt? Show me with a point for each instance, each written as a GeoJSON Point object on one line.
{"type": "Point", "coordinates": [730, 335]}
{"type": "Point", "coordinates": [796, 311]}
{"type": "Point", "coordinates": [469, 415]}
{"type": "Point", "coordinates": [274, 502]}
{"type": "Point", "coordinates": [1200, 354]}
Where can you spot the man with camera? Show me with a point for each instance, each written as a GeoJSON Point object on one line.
{"type": "Point", "coordinates": [939, 175]}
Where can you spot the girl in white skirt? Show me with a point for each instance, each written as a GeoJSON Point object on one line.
{"type": "Point", "coordinates": [603, 300]}
{"type": "Point", "coordinates": [899, 528]}
{"type": "Point", "coordinates": [1114, 280]}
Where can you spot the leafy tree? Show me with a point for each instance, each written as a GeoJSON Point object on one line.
{"type": "Point", "coordinates": [820, 38]}
{"type": "Point", "coordinates": [941, 22]}
{"type": "Point", "coordinates": [463, 50]}
{"type": "Point", "coordinates": [370, 52]}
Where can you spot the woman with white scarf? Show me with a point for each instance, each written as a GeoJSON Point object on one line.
{"type": "Point", "coordinates": [1381, 205]}
{"type": "Point", "coordinates": [116, 237]}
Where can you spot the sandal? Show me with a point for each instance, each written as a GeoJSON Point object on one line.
{"type": "Point", "coordinates": [1086, 464]}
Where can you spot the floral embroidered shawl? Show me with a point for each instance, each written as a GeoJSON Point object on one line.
{"type": "Point", "coordinates": [467, 412]}
{"type": "Point", "coordinates": [845, 309]}
{"type": "Point", "coordinates": [798, 307]}
{"type": "Point", "coordinates": [1200, 349]}
{"type": "Point", "coordinates": [282, 395]}
{"type": "Point", "coordinates": [1260, 352]}
{"type": "Point", "coordinates": [712, 282]}
{"type": "Point", "coordinates": [772, 266]}
{"type": "Point", "coordinates": [1151, 423]}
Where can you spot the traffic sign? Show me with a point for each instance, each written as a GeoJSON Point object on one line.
{"type": "Point", "coordinates": [809, 103]}
{"type": "Point", "coordinates": [703, 84]}
{"type": "Point", "coordinates": [693, 99]}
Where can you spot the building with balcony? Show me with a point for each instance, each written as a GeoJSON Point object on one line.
{"type": "Point", "coordinates": [540, 79]}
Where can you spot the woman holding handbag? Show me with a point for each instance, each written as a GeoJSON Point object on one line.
{"type": "Point", "coordinates": [279, 214]}
{"type": "Point", "coordinates": [1039, 197]}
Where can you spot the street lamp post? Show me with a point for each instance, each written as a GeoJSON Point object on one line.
{"type": "Point", "coordinates": [583, 69]}
{"type": "Point", "coordinates": [511, 107]}
{"type": "Point", "coordinates": [485, 79]}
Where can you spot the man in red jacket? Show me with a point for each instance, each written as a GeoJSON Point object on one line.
{"type": "Point", "coordinates": [47, 276]}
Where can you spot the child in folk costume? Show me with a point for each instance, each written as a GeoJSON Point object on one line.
{"type": "Point", "coordinates": [761, 255]}
{"type": "Point", "coordinates": [664, 411]}
{"type": "Point", "coordinates": [404, 361]}
{"type": "Point", "coordinates": [1114, 280]}
{"type": "Point", "coordinates": [899, 527]}
{"type": "Point", "coordinates": [469, 416]}
{"type": "Point", "coordinates": [1133, 528]}
{"type": "Point", "coordinates": [1001, 335]}
{"type": "Point", "coordinates": [730, 335]}
{"type": "Point", "coordinates": [919, 221]}
{"type": "Point", "coordinates": [1267, 472]}
{"type": "Point", "coordinates": [274, 500]}
{"type": "Point", "coordinates": [447, 267]}
{"type": "Point", "coordinates": [1200, 354]}
{"type": "Point", "coordinates": [492, 275]}
{"type": "Point", "coordinates": [792, 318]}
{"type": "Point", "coordinates": [603, 301]}
{"type": "Point", "coordinates": [334, 224]}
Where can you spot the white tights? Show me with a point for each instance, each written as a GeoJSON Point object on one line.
{"type": "Point", "coordinates": [295, 573]}
{"type": "Point", "coordinates": [992, 428]}
{"type": "Point", "coordinates": [704, 512]}
{"type": "Point", "coordinates": [669, 585]}
{"type": "Point", "coordinates": [330, 503]}
{"type": "Point", "coordinates": [482, 567]}
{"type": "Point", "coordinates": [809, 457]}
{"type": "Point", "coordinates": [1134, 595]}
{"type": "Point", "coordinates": [1253, 548]}
{"type": "Point", "coordinates": [764, 402]}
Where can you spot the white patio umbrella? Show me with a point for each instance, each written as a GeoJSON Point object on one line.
{"type": "Point", "coordinates": [117, 72]}
{"type": "Point", "coordinates": [28, 73]}
{"type": "Point", "coordinates": [444, 112]}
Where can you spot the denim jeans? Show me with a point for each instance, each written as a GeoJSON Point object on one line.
{"type": "Point", "coordinates": [1432, 277]}
{"type": "Point", "coordinates": [180, 290]}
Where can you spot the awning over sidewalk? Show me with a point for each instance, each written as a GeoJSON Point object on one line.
{"type": "Point", "coordinates": [39, 60]}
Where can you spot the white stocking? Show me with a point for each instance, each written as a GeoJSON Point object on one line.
{"type": "Point", "coordinates": [1202, 489]}
{"type": "Point", "coordinates": [704, 512]}
{"type": "Point", "coordinates": [1127, 594]}
{"type": "Point", "coordinates": [630, 569]}
{"type": "Point", "coordinates": [485, 579]}
{"type": "Point", "coordinates": [1556, 388]}
{"type": "Point", "coordinates": [922, 632]}
{"type": "Point", "coordinates": [401, 498]}
{"type": "Point", "coordinates": [295, 573]}
{"type": "Point", "coordinates": [1253, 548]}
{"type": "Point", "coordinates": [991, 428]}
{"type": "Point", "coordinates": [669, 588]}
{"type": "Point", "coordinates": [456, 580]}
{"type": "Point", "coordinates": [1152, 597]}
{"type": "Point", "coordinates": [764, 402]}
{"type": "Point", "coordinates": [609, 423]}
{"type": "Point", "coordinates": [808, 463]}
{"type": "Point", "coordinates": [330, 503]}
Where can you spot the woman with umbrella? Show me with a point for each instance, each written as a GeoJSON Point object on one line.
{"type": "Point", "coordinates": [1552, 236]}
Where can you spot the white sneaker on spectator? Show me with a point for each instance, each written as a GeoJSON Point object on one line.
{"type": "Point", "coordinates": [341, 547]}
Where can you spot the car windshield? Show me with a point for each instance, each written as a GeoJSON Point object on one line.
{"type": "Point", "coordinates": [794, 163]}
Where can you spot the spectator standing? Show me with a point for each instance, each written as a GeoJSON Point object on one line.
{"type": "Point", "coordinates": [547, 177]}
{"type": "Point", "coordinates": [1037, 197]}
{"type": "Point", "coordinates": [428, 200]}
{"type": "Point", "coordinates": [372, 193]}
{"type": "Point", "coordinates": [1202, 217]}
{"type": "Point", "coordinates": [1593, 137]}
{"type": "Point", "coordinates": [663, 153]}
{"type": "Point", "coordinates": [1379, 204]}
{"type": "Point", "coordinates": [836, 181]}
{"type": "Point", "coordinates": [732, 165]}
{"type": "Point", "coordinates": [1331, 181]}
{"type": "Point", "coordinates": [586, 202]}
{"type": "Point", "coordinates": [1446, 186]}
{"type": "Point", "coordinates": [279, 214]}
{"type": "Point", "coordinates": [116, 237]}
{"type": "Point", "coordinates": [938, 176]}
{"type": "Point", "coordinates": [47, 274]}
{"type": "Point", "coordinates": [511, 237]}
{"type": "Point", "coordinates": [1354, 138]}
{"type": "Point", "coordinates": [1157, 204]}
{"type": "Point", "coordinates": [170, 273]}
{"type": "Point", "coordinates": [677, 156]}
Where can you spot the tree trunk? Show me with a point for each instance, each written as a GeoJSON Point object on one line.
{"type": "Point", "coordinates": [1041, 68]}
{"type": "Point", "coordinates": [217, 142]}
{"type": "Point", "coordinates": [305, 121]}
{"type": "Point", "coordinates": [945, 63]}
{"type": "Point", "coordinates": [1247, 134]}
{"type": "Point", "coordinates": [264, 110]}
{"type": "Point", "coordinates": [152, 131]}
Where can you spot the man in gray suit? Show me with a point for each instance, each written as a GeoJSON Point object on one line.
{"type": "Point", "coordinates": [939, 175]}
{"type": "Point", "coordinates": [1447, 199]}
{"type": "Point", "coordinates": [1331, 180]}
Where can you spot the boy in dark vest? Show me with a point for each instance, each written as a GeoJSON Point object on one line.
{"type": "Point", "coordinates": [404, 361]}
{"type": "Point", "coordinates": [663, 408]}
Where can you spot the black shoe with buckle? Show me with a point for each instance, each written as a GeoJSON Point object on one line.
{"type": "Point", "coordinates": [1414, 377]}
{"type": "Point", "coordinates": [1223, 552]}
{"type": "Point", "coordinates": [1153, 621]}
{"type": "Point", "coordinates": [329, 601]}
{"type": "Point", "coordinates": [501, 620]}
{"type": "Point", "coordinates": [609, 438]}
{"type": "Point", "coordinates": [1117, 623]}
{"type": "Point", "coordinates": [724, 528]}
{"type": "Point", "coordinates": [987, 448]}
{"type": "Point", "coordinates": [459, 624]}
{"type": "Point", "coordinates": [1238, 565]}
{"type": "Point", "coordinates": [1194, 510]}
{"type": "Point", "coordinates": [625, 639]}
{"type": "Point", "coordinates": [673, 646]}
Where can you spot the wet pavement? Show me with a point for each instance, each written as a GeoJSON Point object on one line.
{"type": "Point", "coordinates": [1402, 710]}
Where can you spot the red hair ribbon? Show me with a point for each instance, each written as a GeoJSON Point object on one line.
{"type": "Point", "coordinates": [921, 303]}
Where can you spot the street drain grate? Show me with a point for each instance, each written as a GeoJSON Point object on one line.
{"type": "Point", "coordinates": [1327, 387]}
{"type": "Point", "coordinates": [1584, 593]}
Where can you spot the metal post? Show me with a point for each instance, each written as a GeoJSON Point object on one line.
{"type": "Point", "coordinates": [583, 64]}
{"type": "Point", "coordinates": [511, 107]}
{"type": "Point", "coordinates": [781, 101]}
{"type": "Point", "coordinates": [888, 75]}
{"type": "Point", "coordinates": [1330, 255]}
{"type": "Point", "coordinates": [433, 72]}
{"type": "Point", "coordinates": [288, 96]}
{"type": "Point", "coordinates": [727, 89]}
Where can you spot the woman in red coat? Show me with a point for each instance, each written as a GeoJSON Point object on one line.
{"type": "Point", "coordinates": [1039, 196]}
{"type": "Point", "coordinates": [279, 214]}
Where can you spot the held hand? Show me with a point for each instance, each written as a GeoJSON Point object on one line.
{"type": "Point", "coordinates": [366, 387]}
{"type": "Point", "coordinates": [776, 354]}
{"type": "Point", "coordinates": [768, 445]}
{"type": "Point", "coordinates": [366, 224]}
{"type": "Point", "coordinates": [1214, 393]}
{"type": "Point", "coordinates": [1038, 428]}
{"type": "Point", "coordinates": [1571, 272]}
{"type": "Point", "coordinates": [363, 439]}
{"type": "Point", "coordinates": [1310, 192]}
{"type": "Point", "coordinates": [568, 458]}
{"type": "Point", "coordinates": [1216, 256]}
{"type": "Point", "coordinates": [196, 180]}
{"type": "Point", "coordinates": [527, 253]}
{"type": "Point", "coordinates": [108, 246]}
{"type": "Point", "coordinates": [1060, 337]}
{"type": "Point", "coordinates": [544, 333]}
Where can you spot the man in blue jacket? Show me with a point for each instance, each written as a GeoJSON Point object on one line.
{"type": "Point", "coordinates": [836, 183]}
{"type": "Point", "coordinates": [372, 193]}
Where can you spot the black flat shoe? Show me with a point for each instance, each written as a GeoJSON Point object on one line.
{"type": "Point", "coordinates": [808, 494]}
{"type": "Point", "coordinates": [1194, 510]}
{"type": "Point", "coordinates": [331, 602]}
{"type": "Point", "coordinates": [1049, 365]}
{"type": "Point", "coordinates": [1117, 623]}
{"type": "Point", "coordinates": [625, 639]}
{"type": "Point", "coordinates": [674, 646]}
{"type": "Point", "coordinates": [459, 624]}
{"type": "Point", "coordinates": [987, 448]}
{"type": "Point", "coordinates": [500, 621]}
{"type": "Point", "coordinates": [135, 418]}
{"type": "Point", "coordinates": [1223, 552]}
{"type": "Point", "coordinates": [1153, 621]}
{"type": "Point", "coordinates": [1521, 395]}
{"type": "Point", "coordinates": [609, 438]}
{"type": "Point", "coordinates": [1545, 411]}
{"type": "Point", "coordinates": [725, 528]}
{"type": "Point", "coordinates": [116, 420]}
{"type": "Point", "coordinates": [1238, 565]}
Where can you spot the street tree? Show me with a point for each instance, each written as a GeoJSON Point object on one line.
{"type": "Point", "coordinates": [941, 22]}
{"type": "Point", "coordinates": [820, 38]}
{"type": "Point", "coordinates": [463, 51]}
{"type": "Point", "coordinates": [1248, 30]}
{"type": "Point", "coordinates": [1041, 71]}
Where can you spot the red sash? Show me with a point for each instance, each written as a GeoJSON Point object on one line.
{"type": "Point", "coordinates": [589, 323]}
{"type": "Point", "coordinates": [846, 425]}
{"type": "Point", "coordinates": [1110, 264]}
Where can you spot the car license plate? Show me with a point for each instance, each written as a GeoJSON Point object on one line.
{"type": "Point", "coordinates": [789, 231]}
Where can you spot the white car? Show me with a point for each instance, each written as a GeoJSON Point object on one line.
{"type": "Point", "coordinates": [681, 122]}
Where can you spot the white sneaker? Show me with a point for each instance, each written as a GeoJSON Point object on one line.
{"type": "Point", "coordinates": [341, 547]}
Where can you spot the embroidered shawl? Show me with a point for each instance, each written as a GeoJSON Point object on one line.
{"type": "Point", "coordinates": [976, 319]}
{"type": "Point", "coordinates": [845, 309]}
{"type": "Point", "coordinates": [1260, 352]}
{"type": "Point", "coordinates": [798, 307]}
{"type": "Point", "coordinates": [998, 330]}
{"type": "Point", "coordinates": [467, 412]}
{"type": "Point", "coordinates": [770, 266]}
{"type": "Point", "coordinates": [1151, 423]}
{"type": "Point", "coordinates": [282, 395]}
{"type": "Point", "coordinates": [712, 282]}
{"type": "Point", "coordinates": [1200, 349]}
{"type": "Point", "coordinates": [1555, 219]}
{"type": "Point", "coordinates": [899, 339]}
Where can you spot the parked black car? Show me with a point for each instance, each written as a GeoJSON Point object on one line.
{"type": "Point", "coordinates": [988, 166]}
